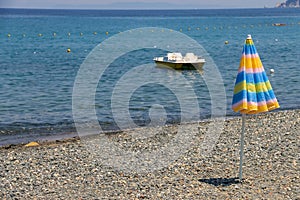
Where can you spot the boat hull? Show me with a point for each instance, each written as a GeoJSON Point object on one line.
{"type": "Point", "coordinates": [180, 66]}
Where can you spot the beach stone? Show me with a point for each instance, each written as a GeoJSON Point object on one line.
{"type": "Point", "coordinates": [32, 144]}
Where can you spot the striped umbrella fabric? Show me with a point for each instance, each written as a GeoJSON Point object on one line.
{"type": "Point", "coordinates": [253, 92]}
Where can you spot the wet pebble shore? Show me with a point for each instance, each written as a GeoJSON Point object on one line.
{"type": "Point", "coordinates": [76, 168]}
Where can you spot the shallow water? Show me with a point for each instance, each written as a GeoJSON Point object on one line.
{"type": "Point", "coordinates": [37, 75]}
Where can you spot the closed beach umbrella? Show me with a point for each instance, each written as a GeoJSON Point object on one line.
{"type": "Point", "coordinates": [253, 93]}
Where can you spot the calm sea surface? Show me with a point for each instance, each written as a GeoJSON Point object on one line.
{"type": "Point", "coordinates": [37, 74]}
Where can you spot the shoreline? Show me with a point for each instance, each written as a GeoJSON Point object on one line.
{"type": "Point", "coordinates": [62, 136]}
{"type": "Point", "coordinates": [69, 169]}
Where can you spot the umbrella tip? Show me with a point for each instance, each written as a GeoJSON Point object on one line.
{"type": "Point", "coordinates": [249, 37]}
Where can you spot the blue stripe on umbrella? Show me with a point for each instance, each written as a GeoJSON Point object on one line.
{"type": "Point", "coordinates": [249, 49]}
{"type": "Point", "coordinates": [252, 77]}
{"type": "Point", "coordinates": [253, 96]}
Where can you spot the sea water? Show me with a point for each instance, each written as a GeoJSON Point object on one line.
{"type": "Point", "coordinates": [37, 74]}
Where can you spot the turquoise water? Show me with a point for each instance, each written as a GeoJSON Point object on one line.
{"type": "Point", "coordinates": [37, 75]}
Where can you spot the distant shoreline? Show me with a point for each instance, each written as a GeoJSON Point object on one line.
{"type": "Point", "coordinates": [139, 9]}
{"type": "Point", "coordinates": [222, 12]}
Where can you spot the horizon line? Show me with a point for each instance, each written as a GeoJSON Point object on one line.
{"type": "Point", "coordinates": [35, 8]}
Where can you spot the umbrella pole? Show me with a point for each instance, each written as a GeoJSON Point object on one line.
{"type": "Point", "coordinates": [242, 147]}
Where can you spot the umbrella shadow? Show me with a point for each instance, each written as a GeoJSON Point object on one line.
{"type": "Point", "coordinates": [221, 181]}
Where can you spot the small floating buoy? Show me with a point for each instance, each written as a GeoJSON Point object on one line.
{"type": "Point", "coordinates": [32, 144]}
{"type": "Point", "coordinates": [106, 32]}
{"type": "Point", "coordinates": [40, 35]}
{"type": "Point", "coordinates": [54, 34]}
{"type": "Point", "coordinates": [81, 34]}
{"type": "Point", "coordinates": [95, 33]}
{"type": "Point", "coordinates": [272, 71]}
{"type": "Point", "coordinates": [279, 24]}
{"type": "Point", "coordinates": [8, 35]}
{"type": "Point", "coordinates": [226, 42]}
{"type": "Point", "coordinates": [69, 34]}
{"type": "Point", "coordinates": [68, 50]}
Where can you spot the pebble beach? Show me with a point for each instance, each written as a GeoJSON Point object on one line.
{"type": "Point", "coordinates": [66, 169]}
